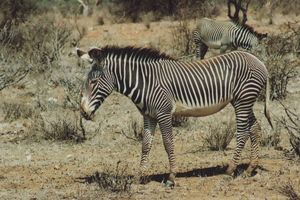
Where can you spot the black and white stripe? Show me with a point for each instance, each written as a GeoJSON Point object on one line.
{"type": "Point", "coordinates": [223, 35]}
{"type": "Point", "coordinates": [157, 83]}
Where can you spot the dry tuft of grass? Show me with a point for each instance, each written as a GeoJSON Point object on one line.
{"type": "Point", "coordinates": [115, 180]}
{"type": "Point", "coordinates": [219, 136]}
{"type": "Point", "coordinates": [14, 111]}
{"type": "Point", "coordinates": [178, 121]}
{"type": "Point", "coordinates": [59, 128]}
{"type": "Point", "coordinates": [289, 191]}
{"type": "Point", "coordinates": [135, 131]}
{"type": "Point", "coordinates": [272, 139]}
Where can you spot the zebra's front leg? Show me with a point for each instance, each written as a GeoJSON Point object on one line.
{"type": "Point", "coordinates": [165, 124]}
{"type": "Point", "coordinates": [149, 130]}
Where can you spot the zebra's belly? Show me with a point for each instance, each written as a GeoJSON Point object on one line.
{"type": "Point", "coordinates": [213, 44]}
{"type": "Point", "coordinates": [189, 111]}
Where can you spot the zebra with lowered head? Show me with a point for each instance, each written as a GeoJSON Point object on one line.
{"type": "Point", "coordinates": [161, 86]}
{"type": "Point", "coordinates": [223, 35]}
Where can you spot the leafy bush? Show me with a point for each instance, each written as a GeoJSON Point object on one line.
{"type": "Point", "coordinates": [219, 136]}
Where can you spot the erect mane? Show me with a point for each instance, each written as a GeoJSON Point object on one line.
{"type": "Point", "coordinates": [250, 29]}
{"type": "Point", "coordinates": [135, 51]}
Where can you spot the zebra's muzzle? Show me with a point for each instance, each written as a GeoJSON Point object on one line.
{"type": "Point", "coordinates": [85, 115]}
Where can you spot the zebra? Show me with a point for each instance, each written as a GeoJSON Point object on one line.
{"type": "Point", "coordinates": [223, 35]}
{"type": "Point", "coordinates": [161, 86]}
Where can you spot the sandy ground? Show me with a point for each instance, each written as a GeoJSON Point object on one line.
{"type": "Point", "coordinates": [57, 170]}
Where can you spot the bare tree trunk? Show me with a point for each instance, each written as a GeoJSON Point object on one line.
{"type": "Point", "coordinates": [86, 10]}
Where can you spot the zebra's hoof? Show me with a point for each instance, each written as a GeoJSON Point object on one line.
{"type": "Point", "coordinates": [230, 169]}
{"type": "Point", "coordinates": [250, 171]}
{"type": "Point", "coordinates": [170, 184]}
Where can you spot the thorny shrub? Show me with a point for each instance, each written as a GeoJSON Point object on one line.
{"type": "Point", "coordinates": [280, 55]}
{"type": "Point", "coordinates": [219, 136]}
{"type": "Point", "coordinates": [292, 124]}
{"type": "Point", "coordinates": [114, 180]}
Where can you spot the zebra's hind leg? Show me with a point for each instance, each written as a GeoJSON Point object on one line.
{"type": "Point", "coordinates": [165, 124]}
{"type": "Point", "coordinates": [201, 49]}
{"type": "Point", "coordinates": [242, 135]}
{"type": "Point", "coordinates": [149, 130]}
{"type": "Point", "coordinates": [255, 134]}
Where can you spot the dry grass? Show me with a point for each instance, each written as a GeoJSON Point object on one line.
{"type": "Point", "coordinates": [134, 132]}
{"type": "Point", "coordinates": [113, 179]}
{"type": "Point", "coordinates": [219, 136]}
{"type": "Point", "coordinates": [276, 52]}
{"type": "Point", "coordinates": [182, 39]}
{"type": "Point", "coordinates": [14, 111]}
{"type": "Point", "coordinates": [289, 191]}
{"type": "Point", "coordinates": [272, 139]}
{"type": "Point", "coordinates": [292, 124]}
{"type": "Point", "coordinates": [178, 121]}
{"type": "Point", "coordinates": [58, 128]}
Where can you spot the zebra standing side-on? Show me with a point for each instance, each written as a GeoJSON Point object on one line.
{"type": "Point", "coordinates": [223, 35]}
{"type": "Point", "coordinates": [161, 86]}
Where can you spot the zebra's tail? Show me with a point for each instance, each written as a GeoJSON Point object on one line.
{"type": "Point", "coordinates": [267, 113]}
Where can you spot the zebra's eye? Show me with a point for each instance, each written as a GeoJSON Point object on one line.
{"type": "Point", "coordinates": [93, 81]}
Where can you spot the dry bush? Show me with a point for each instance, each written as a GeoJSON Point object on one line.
{"type": "Point", "coordinates": [11, 75]}
{"type": "Point", "coordinates": [272, 139]}
{"type": "Point", "coordinates": [134, 9]}
{"type": "Point", "coordinates": [178, 121]}
{"type": "Point", "coordinates": [14, 111]}
{"type": "Point", "coordinates": [114, 180]}
{"type": "Point", "coordinates": [58, 128]}
{"type": "Point", "coordinates": [100, 20]}
{"type": "Point", "coordinates": [15, 12]}
{"type": "Point", "coordinates": [182, 39]}
{"type": "Point", "coordinates": [289, 191]}
{"type": "Point", "coordinates": [219, 136]}
{"type": "Point", "coordinates": [135, 131]}
{"type": "Point", "coordinates": [292, 124]}
{"type": "Point", "coordinates": [37, 43]}
{"type": "Point", "coordinates": [280, 55]}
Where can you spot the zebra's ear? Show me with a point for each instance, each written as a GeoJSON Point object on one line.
{"type": "Point", "coordinates": [83, 55]}
{"type": "Point", "coordinates": [95, 53]}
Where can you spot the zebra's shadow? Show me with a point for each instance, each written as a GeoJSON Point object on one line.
{"type": "Point", "coordinates": [162, 177]}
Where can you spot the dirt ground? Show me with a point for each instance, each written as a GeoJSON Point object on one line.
{"type": "Point", "coordinates": [46, 169]}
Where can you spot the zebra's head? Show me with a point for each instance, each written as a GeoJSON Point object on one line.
{"type": "Point", "coordinates": [98, 84]}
